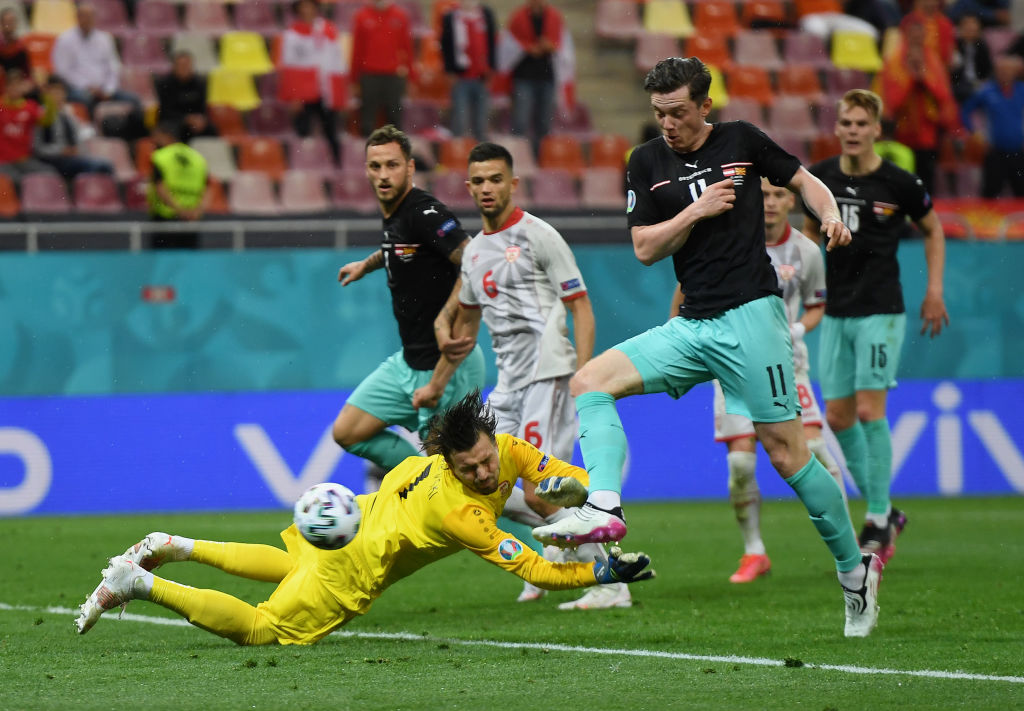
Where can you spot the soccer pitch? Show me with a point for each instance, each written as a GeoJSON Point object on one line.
{"type": "Point", "coordinates": [950, 634]}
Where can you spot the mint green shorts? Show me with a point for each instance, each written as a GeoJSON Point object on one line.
{"type": "Point", "coordinates": [386, 393]}
{"type": "Point", "coordinates": [748, 349]}
{"type": "Point", "coordinates": [860, 353]}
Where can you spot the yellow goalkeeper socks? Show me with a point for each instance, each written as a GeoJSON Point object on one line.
{"type": "Point", "coordinates": [255, 561]}
{"type": "Point", "coordinates": [213, 611]}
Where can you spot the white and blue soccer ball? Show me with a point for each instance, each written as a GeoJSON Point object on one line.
{"type": "Point", "coordinates": [327, 515]}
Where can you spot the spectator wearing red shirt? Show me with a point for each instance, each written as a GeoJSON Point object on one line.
{"type": "Point", "coordinates": [468, 48]}
{"type": "Point", "coordinates": [382, 55]}
{"type": "Point", "coordinates": [914, 84]}
{"type": "Point", "coordinates": [537, 28]}
{"type": "Point", "coordinates": [18, 119]}
{"type": "Point", "coordinates": [940, 35]}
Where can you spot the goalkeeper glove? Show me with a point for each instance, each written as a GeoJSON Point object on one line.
{"type": "Point", "coordinates": [563, 491]}
{"type": "Point", "coordinates": [623, 567]}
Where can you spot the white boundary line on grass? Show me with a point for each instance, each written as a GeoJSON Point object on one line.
{"type": "Point", "coordinates": [653, 653]}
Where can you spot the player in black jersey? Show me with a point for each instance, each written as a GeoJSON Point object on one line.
{"type": "Point", "coordinates": [421, 252]}
{"type": "Point", "coordinates": [862, 332]}
{"type": "Point", "coordinates": [695, 195]}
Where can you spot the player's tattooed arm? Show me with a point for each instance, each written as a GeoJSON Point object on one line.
{"type": "Point", "coordinates": [354, 271]}
{"type": "Point", "coordinates": [455, 256]}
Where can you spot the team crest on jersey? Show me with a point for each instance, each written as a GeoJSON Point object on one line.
{"type": "Point", "coordinates": [884, 210]}
{"type": "Point", "coordinates": [510, 549]}
{"type": "Point", "coordinates": [504, 487]}
{"type": "Point", "coordinates": [405, 252]}
{"type": "Point", "coordinates": [630, 201]}
{"type": "Point", "coordinates": [786, 271]}
{"type": "Point", "coordinates": [512, 253]}
{"type": "Point", "coordinates": [736, 171]}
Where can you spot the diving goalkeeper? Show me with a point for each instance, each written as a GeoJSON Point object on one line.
{"type": "Point", "coordinates": [426, 509]}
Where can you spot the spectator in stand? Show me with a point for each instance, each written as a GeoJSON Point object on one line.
{"type": "Point", "coordinates": [468, 45]}
{"type": "Point", "coordinates": [58, 143]}
{"type": "Point", "coordinates": [382, 55]}
{"type": "Point", "coordinates": [13, 53]}
{"type": "Point", "coordinates": [177, 188]}
{"type": "Point", "coordinates": [972, 60]}
{"type": "Point", "coordinates": [892, 150]}
{"type": "Point", "coordinates": [537, 28]}
{"type": "Point", "coordinates": [18, 119]}
{"type": "Point", "coordinates": [86, 59]}
{"type": "Point", "coordinates": [182, 99]}
{"type": "Point", "coordinates": [939, 32]}
{"type": "Point", "coordinates": [914, 84]}
{"type": "Point", "coordinates": [992, 13]}
{"type": "Point", "coordinates": [1002, 100]}
{"type": "Point", "coordinates": [313, 74]}
{"type": "Point", "coordinates": [880, 14]}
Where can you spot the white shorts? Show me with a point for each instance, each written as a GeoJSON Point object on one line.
{"type": "Point", "coordinates": [729, 427]}
{"type": "Point", "coordinates": [542, 413]}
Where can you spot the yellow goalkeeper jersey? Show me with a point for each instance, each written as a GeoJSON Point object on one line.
{"type": "Point", "coordinates": [421, 514]}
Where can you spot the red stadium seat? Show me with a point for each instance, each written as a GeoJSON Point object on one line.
{"type": "Point", "coordinates": [256, 16]}
{"type": "Point", "coordinates": [96, 193]}
{"type": "Point", "coordinates": [136, 195]}
{"type": "Point", "coordinates": [40, 51]}
{"type": "Point", "coordinates": [450, 188]}
{"type": "Point", "coordinates": [204, 17]}
{"type": "Point", "coordinates": [790, 117]}
{"type": "Point", "coordinates": [561, 152]}
{"type": "Point", "coordinates": [111, 17]}
{"type": "Point", "coordinates": [741, 109]}
{"type": "Point", "coordinates": [228, 120]}
{"type": "Point", "coordinates": [765, 14]}
{"type": "Point", "coordinates": [711, 49]}
{"type": "Point", "coordinates": [311, 155]}
{"type": "Point", "coordinates": [10, 206]}
{"type": "Point", "coordinates": [756, 48]}
{"type": "Point", "coordinates": [749, 82]}
{"type": "Point", "coordinates": [617, 20]}
{"type": "Point", "coordinates": [44, 193]}
{"type": "Point", "coordinates": [350, 190]}
{"type": "Point", "coordinates": [823, 146]}
{"type": "Point", "coordinates": [262, 154]}
{"type": "Point", "coordinates": [602, 189]}
{"type": "Point", "coordinates": [800, 80]}
{"type": "Point", "coordinates": [116, 151]}
{"type": "Point", "coordinates": [652, 48]}
{"type": "Point", "coordinates": [271, 118]}
{"type": "Point", "coordinates": [805, 48]}
{"type": "Point", "coordinates": [157, 18]}
{"type": "Point", "coordinates": [252, 193]}
{"type": "Point", "coordinates": [554, 188]}
{"type": "Point", "coordinates": [840, 81]}
{"type": "Point", "coordinates": [302, 192]}
{"type": "Point", "coordinates": [453, 153]}
{"type": "Point", "coordinates": [215, 202]}
{"type": "Point", "coordinates": [810, 7]}
{"type": "Point", "coordinates": [143, 51]}
{"type": "Point", "coordinates": [715, 17]}
{"type": "Point", "coordinates": [608, 150]}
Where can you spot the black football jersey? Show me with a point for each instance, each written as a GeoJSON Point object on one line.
{"type": "Point", "coordinates": [863, 278]}
{"type": "Point", "coordinates": [418, 237]}
{"type": "Point", "coordinates": [723, 263]}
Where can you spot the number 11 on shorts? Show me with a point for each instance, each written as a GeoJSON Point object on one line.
{"type": "Point", "coordinates": [771, 379]}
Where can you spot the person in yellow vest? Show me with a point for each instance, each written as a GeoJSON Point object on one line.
{"type": "Point", "coordinates": [177, 188]}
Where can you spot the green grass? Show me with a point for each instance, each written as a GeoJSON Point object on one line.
{"type": "Point", "coordinates": [951, 600]}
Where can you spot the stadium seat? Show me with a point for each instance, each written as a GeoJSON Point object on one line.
{"type": "Point", "coordinates": [827, 112]}
{"type": "Point", "coordinates": [800, 80]}
{"type": "Point", "coordinates": [805, 48]}
{"type": "Point", "coordinates": [554, 188]}
{"type": "Point", "coordinates": [252, 193]}
{"type": "Point", "coordinates": [718, 92]}
{"type": "Point", "coordinates": [824, 145]}
{"type": "Point", "coordinates": [524, 163]}
{"type": "Point", "coordinates": [256, 16]}
{"type": "Point", "coordinates": [200, 46]}
{"type": "Point", "coordinates": [668, 17]}
{"type": "Point", "coordinates": [311, 155]}
{"type": "Point", "coordinates": [431, 85]}
{"type": "Point", "coordinates": [111, 17]}
{"type": "Point", "coordinates": [617, 20]}
{"type": "Point", "coordinates": [608, 150]}
{"type": "Point", "coordinates": [215, 201]}
{"type": "Point", "coordinates": [40, 52]}
{"type": "Point", "coordinates": [145, 52]}
{"type": "Point", "coordinates": [454, 152]}
{"type": "Point", "coordinates": [652, 48]}
{"type": "Point", "coordinates": [716, 17]}
{"type": "Point", "coordinates": [840, 81]}
{"type": "Point", "coordinates": [813, 7]}
{"type": "Point", "coordinates": [205, 17]}
{"type": "Point", "coordinates": [350, 190]}
{"type": "Point", "coordinates": [743, 109]}
{"type": "Point", "coordinates": [139, 82]}
{"type": "Point", "coordinates": [749, 82]}
{"type": "Point", "coordinates": [10, 206]}
{"type": "Point", "coordinates": [573, 121]}
{"type": "Point", "coordinates": [422, 118]}
{"type": "Point", "coordinates": [136, 195]}
{"type": "Point", "coordinates": [756, 48]}
{"type": "Point", "coordinates": [271, 118]}
{"type": "Point", "coordinates": [44, 193]}
{"type": "Point", "coordinates": [762, 14]}
{"type": "Point", "coordinates": [790, 117]}
{"type": "Point", "coordinates": [233, 88]}
{"type": "Point", "coordinates": [353, 153]}
{"type": "Point", "coordinates": [244, 52]}
{"type": "Point", "coordinates": [603, 189]}
{"type": "Point", "coordinates": [712, 49]}
{"type": "Point", "coordinates": [157, 18]}
{"type": "Point", "coordinates": [228, 120]}
{"type": "Point", "coordinates": [51, 17]}
{"type": "Point", "coordinates": [220, 159]}
{"type": "Point", "coordinates": [561, 152]}
{"type": "Point", "coordinates": [450, 188]}
{"type": "Point", "coordinates": [855, 50]}
{"type": "Point", "coordinates": [114, 150]}
{"type": "Point", "coordinates": [262, 154]}
{"type": "Point", "coordinates": [96, 193]}
{"type": "Point", "coordinates": [302, 192]}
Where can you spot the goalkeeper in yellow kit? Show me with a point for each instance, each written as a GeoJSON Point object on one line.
{"type": "Point", "coordinates": [426, 509]}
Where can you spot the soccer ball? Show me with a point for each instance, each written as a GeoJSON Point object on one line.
{"type": "Point", "coordinates": [327, 515]}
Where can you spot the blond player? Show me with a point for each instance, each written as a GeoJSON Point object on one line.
{"type": "Point", "coordinates": [426, 509]}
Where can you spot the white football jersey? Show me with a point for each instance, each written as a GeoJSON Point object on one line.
{"type": "Point", "coordinates": [801, 271]}
{"type": "Point", "coordinates": [520, 276]}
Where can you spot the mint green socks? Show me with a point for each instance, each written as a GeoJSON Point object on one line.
{"type": "Point", "coordinates": [385, 449]}
{"type": "Point", "coordinates": [855, 450]}
{"type": "Point", "coordinates": [824, 502]}
{"type": "Point", "coordinates": [602, 441]}
{"type": "Point", "coordinates": [879, 469]}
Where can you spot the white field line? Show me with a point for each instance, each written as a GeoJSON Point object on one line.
{"type": "Point", "coordinates": [652, 653]}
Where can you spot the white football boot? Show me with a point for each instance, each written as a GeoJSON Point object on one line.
{"type": "Point", "coordinates": [588, 524]}
{"type": "Point", "coordinates": [116, 589]}
{"type": "Point", "coordinates": [862, 604]}
{"type": "Point", "coordinates": [156, 549]}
